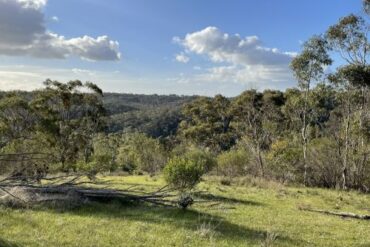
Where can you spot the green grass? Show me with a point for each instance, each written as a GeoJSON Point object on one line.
{"type": "Point", "coordinates": [249, 214]}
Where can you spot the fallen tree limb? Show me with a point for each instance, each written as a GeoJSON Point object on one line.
{"type": "Point", "coordinates": [341, 214]}
{"type": "Point", "coordinates": [64, 192]}
{"type": "Point", "coordinates": [27, 191]}
{"type": "Point", "coordinates": [75, 189]}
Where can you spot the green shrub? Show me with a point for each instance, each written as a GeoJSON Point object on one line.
{"type": "Point", "coordinates": [183, 173]}
{"type": "Point", "coordinates": [139, 153]}
{"type": "Point", "coordinates": [99, 163]}
{"type": "Point", "coordinates": [233, 163]}
{"type": "Point", "coordinates": [284, 159]}
{"type": "Point", "coordinates": [325, 169]}
{"type": "Point", "coordinates": [127, 159]}
{"type": "Point", "coordinates": [202, 158]}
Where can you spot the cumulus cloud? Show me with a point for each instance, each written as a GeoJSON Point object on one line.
{"type": "Point", "coordinates": [244, 60]}
{"type": "Point", "coordinates": [222, 47]}
{"type": "Point", "coordinates": [182, 58]}
{"type": "Point", "coordinates": [23, 32]}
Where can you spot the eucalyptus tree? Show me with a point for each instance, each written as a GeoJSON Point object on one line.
{"type": "Point", "coordinates": [207, 123]}
{"type": "Point", "coordinates": [16, 119]}
{"type": "Point", "coordinates": [22, 150]}
{"type": "Point", "coordinates": [250, 115]}
{"type": "Point", "coordinates": [308, 68]}
{"type": "Point", "coordinates": [349, 39]}
{"type": "Point", "coordinates": [70, 113]}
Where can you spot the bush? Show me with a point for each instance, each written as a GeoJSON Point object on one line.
{"type": "Point", "coordinates": [233, 163]}
{"type": "Point", "coordinates": [141, 154]}
{"type": "Point", "coordinates": [202, 158]}
{"type": "Point", "coordinates": [98, 163]}
{"type": "Point", "coordinates": [284, 159]}
{"type": "Point", "coordinates": [183, 173]}
{"type": "Point", "coordinates": [127, 159]}
{"type": "Point", "coordinates": [325, 168]}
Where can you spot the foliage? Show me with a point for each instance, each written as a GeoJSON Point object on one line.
{"type": "Point", "coordinates": [75, 126]}
{"type": "Point", "coordinates": [203, 158]}
{"type": "Point", "coordinates": [183, 173]}
{"type": "Point", "coordinates": [69, 117]}
{"type": "Point", "coordinates": [141, 153]}
{"type": "Point", "coordinates": [207, 122]}
{"type": "Point", "coordinates": [283, 160]}
{"type": "Point", "coordinates": [233, 163]}
{"type": "Point", "coordinates": [325, 163]}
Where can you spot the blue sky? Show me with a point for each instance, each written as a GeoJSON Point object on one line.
{"type": "Point", "coordinates": [163, 46]}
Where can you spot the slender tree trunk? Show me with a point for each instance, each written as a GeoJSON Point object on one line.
{"type": "Point", "coordinates": [346, 145]}
{"type": "Point", "coordinates": [260, 160]}
{"type": "Point", "coordinates": [305, 161]}
{"type": "Point", "coordinates": [362, 163]}
{"type": "Point", "coordinates": [304, 134]}
{"type": "Point", "coordinates": [256, 136]}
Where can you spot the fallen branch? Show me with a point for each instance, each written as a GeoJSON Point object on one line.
{"type": "Point", "coordinates": [74, 188]}
{"type": "Point", "coordinates": [341, 214]}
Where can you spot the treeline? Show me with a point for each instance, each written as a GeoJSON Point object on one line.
{"type": "Point", "coordinates": [317, 134]}
{"type": "Point", "coordinates": [157, 116]}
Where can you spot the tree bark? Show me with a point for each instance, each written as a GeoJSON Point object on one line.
{"type": "Point", "coordinates": [346, 147]}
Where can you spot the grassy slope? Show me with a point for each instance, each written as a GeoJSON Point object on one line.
{"type": "Point", "coordinates": [237, 216]}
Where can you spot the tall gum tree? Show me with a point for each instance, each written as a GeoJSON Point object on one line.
{"type": "Point", "coordinates": [308, 68]}
{"type": "Point", "coordinates": [349, 39]}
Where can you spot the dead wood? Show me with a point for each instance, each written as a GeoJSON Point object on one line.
{"type": "Point", "coordinates": [341, 214]}
{"type": "Point", "coordinates": [66, 188]}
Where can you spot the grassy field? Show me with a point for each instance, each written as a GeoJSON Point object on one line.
{"type": "Point", "coordinates": [245, 214]}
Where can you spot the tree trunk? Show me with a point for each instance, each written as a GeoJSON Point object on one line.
{"type": "Point", "coordinates": [304, 134]}
{"type": "Point", "coordinates": [260, 160]}
{"type": "Point", "coordinates": [346, 147]}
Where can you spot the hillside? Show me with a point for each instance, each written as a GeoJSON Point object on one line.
{"type": "Point", "coordinates": [155, 115]}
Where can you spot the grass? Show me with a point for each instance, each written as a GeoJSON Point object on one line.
{"type": "Point", "coordinates": [253, 213]}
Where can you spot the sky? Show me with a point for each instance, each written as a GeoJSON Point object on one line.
{"type": "Point", "coordinates": [185, 47]}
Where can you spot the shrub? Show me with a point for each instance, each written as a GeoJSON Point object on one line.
{"type": "Point", "coordinates": [325, 168]}
{"type": "Point", "coordinates": [202, 158]}
{"type": "Point", "coordinates": [283, 159]}
{"type": "Point", "coordinates": [140, 153]}
{"type": "Point", "coordinates": [127, 159]}
{"type": "Point", "coordinates": [99, 163]}
{"type": "Point", "coordinates": [183, 173]}
{"type": "Point", "coordinates": [233, 163]}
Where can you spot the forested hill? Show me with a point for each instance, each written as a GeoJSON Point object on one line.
{"type": "Point", "coordinates": [155, 115]}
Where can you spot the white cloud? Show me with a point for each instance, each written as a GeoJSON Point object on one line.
{"type": "Point", "coordinates": [222, 47]}
{"type": "Point", "coordinates": [36, 4]}
{"type": "Point", "coordinates": [257, 76]}
{"type": "Point", "coordinates": [182, 58]}
{"type": "Point", "coordinates": [78, 71]}
{"type": "Point", "coordinates": [55, 18]}
{"type": "Point", "coordinates": [23, 32]}
{"type": "Point", "coordinates": [244, 60]}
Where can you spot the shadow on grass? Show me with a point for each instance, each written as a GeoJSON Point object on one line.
{"type": "Point", "coordinates": [5, 243]}
{"type": "Point", "coordinates": [218, 198]}
{"type": "Point", "coordinates": [177, 219]}
{"type": "Point", "coordinates": [234, 232]}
